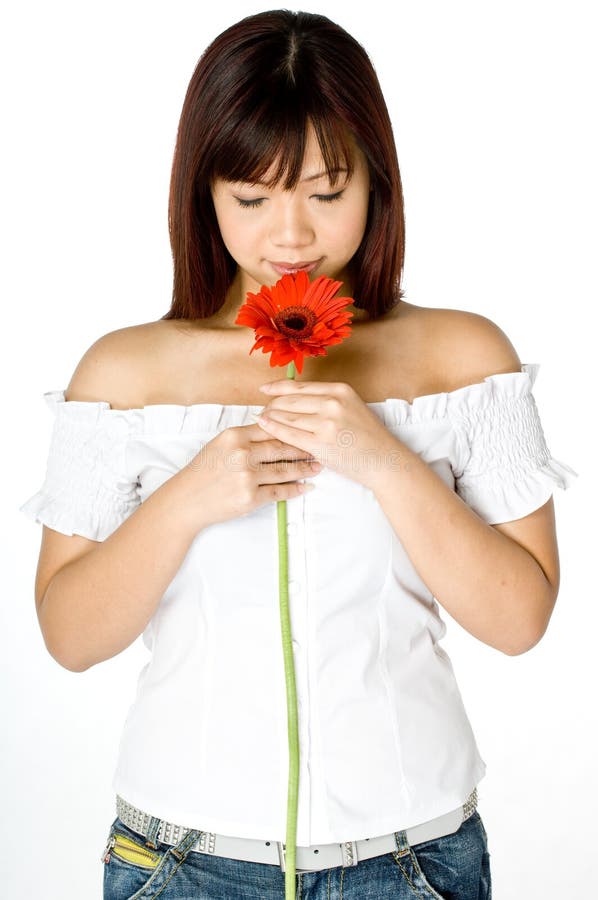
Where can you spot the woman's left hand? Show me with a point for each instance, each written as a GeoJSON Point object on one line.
{"type": "Point", "coordinates": [330, 421]}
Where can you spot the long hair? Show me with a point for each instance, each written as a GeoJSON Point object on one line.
{"type": "Point", "coordinates": [249, 101]}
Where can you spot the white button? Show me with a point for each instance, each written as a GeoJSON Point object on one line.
{"type": "Point", "coordinates": [294, 585]}
{"type": "Point", "coordinates": [292, 527]}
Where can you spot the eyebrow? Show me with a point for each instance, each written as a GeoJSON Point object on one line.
{"type": "Point", "coordinates": [310, 177]}
{"type": "Point", "coordinates": [321, 174]}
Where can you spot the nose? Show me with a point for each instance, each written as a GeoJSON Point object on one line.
{"type": "Point", "coordinates": [291, 226]}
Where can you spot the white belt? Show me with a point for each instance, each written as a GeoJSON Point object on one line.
{"type": "Point", "coordinates": [307, 859]}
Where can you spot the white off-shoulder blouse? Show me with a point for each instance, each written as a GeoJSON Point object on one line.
{"type": "Point", "coordinates": [385, 741]}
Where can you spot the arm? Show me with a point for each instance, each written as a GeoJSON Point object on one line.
{"type": "Point", "coordinates": [97, 605]}
{"type": "Point", "coordinates": [94, 598]}
{"type": "Point", "coordinates": [500, 582]}
{"type": "Point", "coordinates": [489, 583]}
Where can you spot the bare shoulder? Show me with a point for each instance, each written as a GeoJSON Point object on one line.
{"type": "Point", "coordinates": [467, 347]}
{"type": "Point", "coordinates": [113, 368]}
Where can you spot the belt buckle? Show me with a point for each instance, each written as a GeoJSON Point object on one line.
{"type": "Point", "coordinates": [282, 849]}
{"type": "Point", "coordinates": [348, 849]}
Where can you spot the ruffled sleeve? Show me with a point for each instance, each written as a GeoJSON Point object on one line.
{"type": "Point", "coordinates": [506, 470]}
{"type": "Point", "coordinates": [87, 489]}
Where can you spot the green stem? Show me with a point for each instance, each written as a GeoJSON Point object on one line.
{"type": "Point", "coordinates": [289, 668]}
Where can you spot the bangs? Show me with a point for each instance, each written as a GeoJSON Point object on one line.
{"type": "Point", "coordinates": [255, 146]}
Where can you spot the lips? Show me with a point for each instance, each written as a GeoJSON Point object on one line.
{"type": "Point", "coordinates": [287, 268]}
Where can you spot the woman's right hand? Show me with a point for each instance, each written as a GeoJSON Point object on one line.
{"type": "Point", "coordinates": [239, 470]}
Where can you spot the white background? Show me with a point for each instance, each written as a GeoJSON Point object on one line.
{"type": "Point", "coordinates": [493, 106]}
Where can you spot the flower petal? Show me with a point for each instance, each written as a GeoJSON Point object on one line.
{"type": "Point", "coordinates": [265, 313]}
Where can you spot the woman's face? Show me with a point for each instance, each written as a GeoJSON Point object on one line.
{"type": "Point", "coordinates": [262, 226]}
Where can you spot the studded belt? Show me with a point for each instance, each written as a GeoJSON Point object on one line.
{"type": "Point", "coordinates": [307, 859]}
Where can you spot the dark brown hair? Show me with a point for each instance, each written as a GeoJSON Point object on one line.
{"type": "Point", "coordinates": [250, 98]}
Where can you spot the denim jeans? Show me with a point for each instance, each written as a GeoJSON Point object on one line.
{"type": "Point", "coordinates": [453, 867]}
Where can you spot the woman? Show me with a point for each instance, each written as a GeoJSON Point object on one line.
{"type": "Point", "coordinates": [431, 483]}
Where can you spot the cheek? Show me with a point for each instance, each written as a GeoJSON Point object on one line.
{"type": "Point", "coordinates": [237, 237]}
{"type": "Point", "coordinates": [351, 231]}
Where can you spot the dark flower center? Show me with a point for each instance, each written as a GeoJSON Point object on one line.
{"type": "Point", "coordinates": [296, 322]}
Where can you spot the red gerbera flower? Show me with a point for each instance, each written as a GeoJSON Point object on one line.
{"type": "Point", "coordinates": [295, 318]}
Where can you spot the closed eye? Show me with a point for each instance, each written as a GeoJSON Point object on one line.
{"type": "Point", "coordinates": [328, 198]}
{"type": "Point", "coordinates": [323, 198]}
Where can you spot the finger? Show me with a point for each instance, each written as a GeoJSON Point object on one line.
{"type": "Point", "coordinates": [276, 451]}
{"type": "Point", "coordinates": [296, 403]}
{"type": "Point", "coordinates": [255, 433]}
{"type": "Point", "coordinates": [273, 448]}
{"type": "Point", "coordinates": [297, 419]}
{"type": "Point", "coordinates": [289, 470]}
{"type": "Point", "coordinates": [292, 434]}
